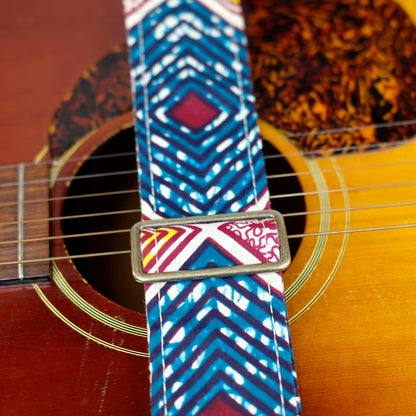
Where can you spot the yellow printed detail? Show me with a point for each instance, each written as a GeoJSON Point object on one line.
{"type": "Point", "coordinates": [156, 240]}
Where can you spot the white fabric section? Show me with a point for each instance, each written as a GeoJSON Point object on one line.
{"type": "Point", "coordinates": [209, 231]}
{"type": "Point", "coordinates": [153, 290]}
{"type": "Point", "coordinates": [136, 10]}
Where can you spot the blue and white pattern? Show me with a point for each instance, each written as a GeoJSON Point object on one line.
{"type": "Point", "coordinates": [178, 53]}
{"type": "Point", "coordinates": [219, 344]}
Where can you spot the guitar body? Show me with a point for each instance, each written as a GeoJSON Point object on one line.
{"type": "Point", "coordinates": [77, 343]}
{"type": "Point", "coordinates": [350, 295]}
{"type": "Point", "coordinates": [48, 366]}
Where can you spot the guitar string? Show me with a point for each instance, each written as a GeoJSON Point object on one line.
{"type": "Point", "coordinates": [281, 135]}
{"type": "Point", "coordinates": [285, 215]}
{"type": "Point", "coordinates": [335, 130]}
{"type": "Point", "coordinates": [71, 178]}
{"type": "Point", "coordinates": [123, 252]}
{"type": "Point", "coordinates": [137, 211]}
{"type": "Point", "coordinates": [368, 146]}
{"type": "Point", "coordinates": [269, 177]}
{"type": "Point", "coordinates": [71, 197]}
{"type": "Point", "coordinates": [100, 175]}
{"type": "Point", "coordinates": [313, 152]}
{"type": "Point", "coordinates": [371, 146]}
{"type": "Point", "coordinates": [277, 196]}
{"type": "Point", "coordinates": [51, 162]}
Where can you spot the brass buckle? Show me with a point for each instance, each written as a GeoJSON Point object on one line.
{"type": "Point", "coordinates": [240, 269]}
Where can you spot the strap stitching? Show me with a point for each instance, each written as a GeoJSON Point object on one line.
{"type": "Point", "coordinates": [146, 106]}
{"type": "Point", "coordinates": [244, 109]}
{"type": "Point", "coordinates": [152, 186]}
{"type": "Point", "coordinates": [254, 187]}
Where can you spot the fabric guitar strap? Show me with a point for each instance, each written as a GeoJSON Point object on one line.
{"type": "Point", "coordinates": [219, 341]}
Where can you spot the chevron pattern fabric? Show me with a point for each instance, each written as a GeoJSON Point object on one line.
{"type": "Point", "coordinates": [218, 345]}
{"type": "Point", "coordinates": [189, 247]}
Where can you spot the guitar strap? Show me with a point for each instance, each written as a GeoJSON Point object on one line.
{"type": "Point", "coordinates": [218, 345]}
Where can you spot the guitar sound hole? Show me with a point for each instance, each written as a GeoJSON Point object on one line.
{"type": "Point", "coordinates": [111, 275]}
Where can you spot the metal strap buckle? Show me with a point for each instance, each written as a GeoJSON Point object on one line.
{"type": "Point", "coordinates": [244, 269]}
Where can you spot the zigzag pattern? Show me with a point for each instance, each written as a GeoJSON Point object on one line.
{"type": "Point", "coordinates": [220, 326]}
{"type": "Point", "coordinates": [187, 166]}
{"type": "Point", "coordinates": [193, 247]}
{"type": "Point", "coordinates": [218, 345]}
{"type": "Point", "coordinates": [136, 10]}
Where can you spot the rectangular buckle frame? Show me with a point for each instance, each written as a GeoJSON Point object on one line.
{"type": "Point", "coordinates": [240, 269]}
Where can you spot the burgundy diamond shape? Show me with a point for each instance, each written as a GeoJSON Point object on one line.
{"type": "Point", "coordinates": [193, 111]}
{"type": "Point", "coordinates": [218, 406]}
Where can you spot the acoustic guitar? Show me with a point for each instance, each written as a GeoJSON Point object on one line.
{"type": "Point", "coordinates": [334, 82]}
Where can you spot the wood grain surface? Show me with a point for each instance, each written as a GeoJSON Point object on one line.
{"type": "Point", "coordinates": [53, 360]}
{"type": "Point", "coordinates": [45, 47]}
